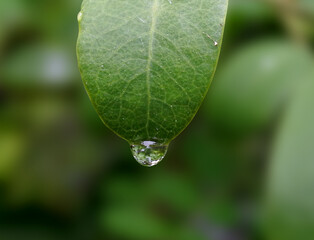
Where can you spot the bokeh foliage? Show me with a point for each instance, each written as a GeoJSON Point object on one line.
{"type": "Point", "coordinates": [241, 170]}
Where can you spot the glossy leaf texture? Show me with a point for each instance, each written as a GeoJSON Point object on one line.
{"type": "Point", "coordinates": [147, 64]}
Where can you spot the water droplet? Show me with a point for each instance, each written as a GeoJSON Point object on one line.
{"type": "Point", "coordinates": [79, 16]}
{"type": "Point", "coordinates": [215, 42]}
{"type": "Point", "coordinates": [141, 19]}
{"type": "Point", "coordinates": [149, 153]}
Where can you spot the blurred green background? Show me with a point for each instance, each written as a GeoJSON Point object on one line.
{"type": "Point", "coordinates": [243, 169]}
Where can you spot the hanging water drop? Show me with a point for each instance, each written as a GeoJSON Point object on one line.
{"type": "Point", "coordinates": [149, 153]}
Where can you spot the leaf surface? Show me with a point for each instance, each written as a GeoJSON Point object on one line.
{"type": "Point", "coordinates": [147, 64]}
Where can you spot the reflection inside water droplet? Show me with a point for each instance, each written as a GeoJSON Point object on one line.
{"type": "Point", "coordinates": [149, 153]}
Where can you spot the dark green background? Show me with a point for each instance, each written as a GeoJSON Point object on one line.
{"type": "Point", "coordinates": [243, 169]}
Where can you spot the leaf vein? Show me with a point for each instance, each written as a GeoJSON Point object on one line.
{"type": "Point", "coordinates": [154, 12]}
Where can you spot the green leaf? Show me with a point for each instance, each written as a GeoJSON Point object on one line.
{"type": "Point", "coordinates": [38, 67]}
{"type": "Point", "coordinates": [254, 84]}
{"type": "Point", "coordinates": [147, 64]}
{"type": "Point", "coordinates": [290, 195]}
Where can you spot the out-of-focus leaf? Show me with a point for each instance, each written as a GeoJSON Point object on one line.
{"type": "Point", "coordinates": [308, 6]}
{"type": "Point", "coordinates": [38, 66]}
{"type": "Point", "coordinates": [211, 161]}
{"type": "Point", "coordinates": [254, 83]}
{"type": "Point", "coordinates": [306, 17]}
{"type": "Point", "coordinates": [11, 12]}
{"type": "Point", "coordinates": [247, 19]}
{"type": "Point", "coordinates": [134, 223]}
{"type": "Point", "coordinates": [12, 149]}
{"type": "Point", "coordinates": [241, 10]}
{"type": "Point", "coordinates": [163, 185]}
{"type": "Point", "coordinates": [290, 196]}
{"type": "Point", "coordinates": [149, 209]}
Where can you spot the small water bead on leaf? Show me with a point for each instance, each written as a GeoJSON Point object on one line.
{"type": "Point", "coordinates": [149, 153]}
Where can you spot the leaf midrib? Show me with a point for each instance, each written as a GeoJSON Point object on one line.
{"type": "Point", "coordinates": [154, 13]}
